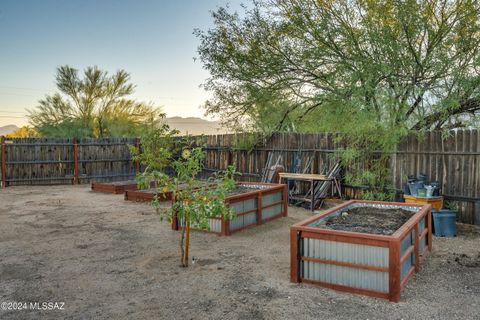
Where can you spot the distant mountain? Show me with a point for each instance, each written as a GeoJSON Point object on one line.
{"type": "Point", "coordinates": [8, 129]}
{"type": "Point", "coordinates": [191, 125]}
{"type": "Point", "coordinates": [195, 126]}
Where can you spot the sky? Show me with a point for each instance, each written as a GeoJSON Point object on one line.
{"type": "Point", "coordinates": [150, 39]}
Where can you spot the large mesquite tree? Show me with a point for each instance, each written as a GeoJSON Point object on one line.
{"type": "Point", "coordinates": [372, 69]}
{"type": "Point", "coordinates": [397, 63]}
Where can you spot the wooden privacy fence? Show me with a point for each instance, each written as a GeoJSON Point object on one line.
{"type": "Point", "coordinates": [64, 161]}
{"type": "Point", "coordinates": [454, 161]}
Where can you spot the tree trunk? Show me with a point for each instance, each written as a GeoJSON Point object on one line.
{"type": "Point", "coordinates": [187, 238]}
{"type": "Point", "coordinates": [182, 259]}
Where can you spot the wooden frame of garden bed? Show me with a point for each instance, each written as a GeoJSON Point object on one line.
{"type": "Point", "coordinates": [369, 264]}
{"type": "Point", "coordinates": [266, 208]}
{"type": "Point", "coordinates": [115, 187]}
{"type": "Point", "coordinates": [146, 195]}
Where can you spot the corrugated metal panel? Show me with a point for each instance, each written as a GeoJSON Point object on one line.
{"type": "Point", "coordinates": [406, 243]}
{"type": "Point", "coordinates": [237, 207]}
{"type": "Point", "coordinates": [215, 225]}
{"type": "Point", "coordinates": [351, 277]}
{"type": "Point", "coordinates": [192, 225]}
{"type": "Point", "coordinates": [271, 198]}
{"type": "Point", "coordinates": [236, 223]}
{"type": "Point", "coordinates": [272, 211]}
{"type": "Point", "coordinates": [249, 204]}
{"type": "Point", "coordinates": [346, 252]}
{"type": "Point", "coordinates": [249, 219]}
{"type": "Point", "coordinates": [241, 221]}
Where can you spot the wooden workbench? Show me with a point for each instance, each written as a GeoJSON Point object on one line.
{"type": "Point", "coordinates": [436, 202]}
{"type": "Point", "coordinates": [312, 178]}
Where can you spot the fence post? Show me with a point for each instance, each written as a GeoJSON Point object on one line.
{"type": "Point", "coordinates": [137, 163]}
{"type": "Point", "coordinates": [75, 161]}
{"type": "Point", "coordinates": [4, 164]}
{"type": "Point", "coordinates": [476, 213]}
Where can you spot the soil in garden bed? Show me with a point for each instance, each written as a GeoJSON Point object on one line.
{"type": "Point", "coordinates": [370, 220]}
{"type": "Point", "coordinates": [120, 183]}
{"type": "Point", "coordinates": [242, 189]}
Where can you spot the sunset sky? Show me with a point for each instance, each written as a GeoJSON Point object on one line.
{"type": "Point", "coordinates": [152, 40]}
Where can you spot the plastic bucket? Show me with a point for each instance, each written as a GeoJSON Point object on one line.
{"type": "Point", "coordinates": [436, 185]}
{"type": "Point", "coordinates": [422, 192]}
{"type": "Point", "coordinates": [414, 186]}
{"type": "Point", "coordinates": [429, 191]}
{"type": "Point", "coordinates": [444, 223]}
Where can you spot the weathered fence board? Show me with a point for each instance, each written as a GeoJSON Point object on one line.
{"type": "Point", "coordinates": [453, 160]}
{"type": "Point", "coordinates": [52, 161]}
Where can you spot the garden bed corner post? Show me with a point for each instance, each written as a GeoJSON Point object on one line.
{"type": "Point", "coordinates": [394, 271]}
{"type": "Point", "coordinates": [416, 249]}
{"type": "Point", "coordinates": [430, 227]}
{"type": "Point", "coordinates": [225, 227]}
{"type": "Point", "coordinates": [294, 255]}
{"type": "Point", "coordinates": [4, 164]}
{"type": "Point", "coordinates": [259, 209]}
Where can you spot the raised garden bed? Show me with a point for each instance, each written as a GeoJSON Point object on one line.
{"type": "Point", "coordinates": [351, 248]}
{"type": "Point", "coordinates": [117, 187]}
{"type": "Point", "coordinates": [253, 204]}
{"type": "Point", "coordinates": [146, 195]}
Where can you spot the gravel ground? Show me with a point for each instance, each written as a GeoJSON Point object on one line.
{"type": "Point", "coordinates": [107, 258]}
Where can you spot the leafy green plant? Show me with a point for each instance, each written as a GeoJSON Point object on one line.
{"type": "Point", "coordinates": [194, 201]}
{"type": "Point", "coordinates": [158, 148]}
{"type": "Point", "coordinates": [373, 71]}
{"type": "Point", "coordinates": [451, 205]}
{"type": "Point", "coordinates": [246, 140]}
{"type": "Point", "coordinates": [286, 65]}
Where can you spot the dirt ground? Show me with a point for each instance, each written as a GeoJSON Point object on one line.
{"type": "Point", "coordinates": [107, 258]}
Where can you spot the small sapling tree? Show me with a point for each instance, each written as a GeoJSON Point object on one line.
{"type": "Point", "coordinates": [193, 201]}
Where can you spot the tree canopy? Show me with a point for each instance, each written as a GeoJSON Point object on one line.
{"type": "Point", "coordinates": [23, 132]}
{"type": "Point", "coordinates": [97, 105]}
{"type": "Point", "coordinates": [310, 65]}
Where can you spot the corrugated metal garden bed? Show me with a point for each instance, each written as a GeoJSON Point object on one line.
{"type": "Point", "coordinates": [147, 195]}
{"type": "Point", "coordinates": [377, 265]}
{"type": "Point", "coordinates": [263, 202]}
{"type": "Point", "coordinates": [117, 187]}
